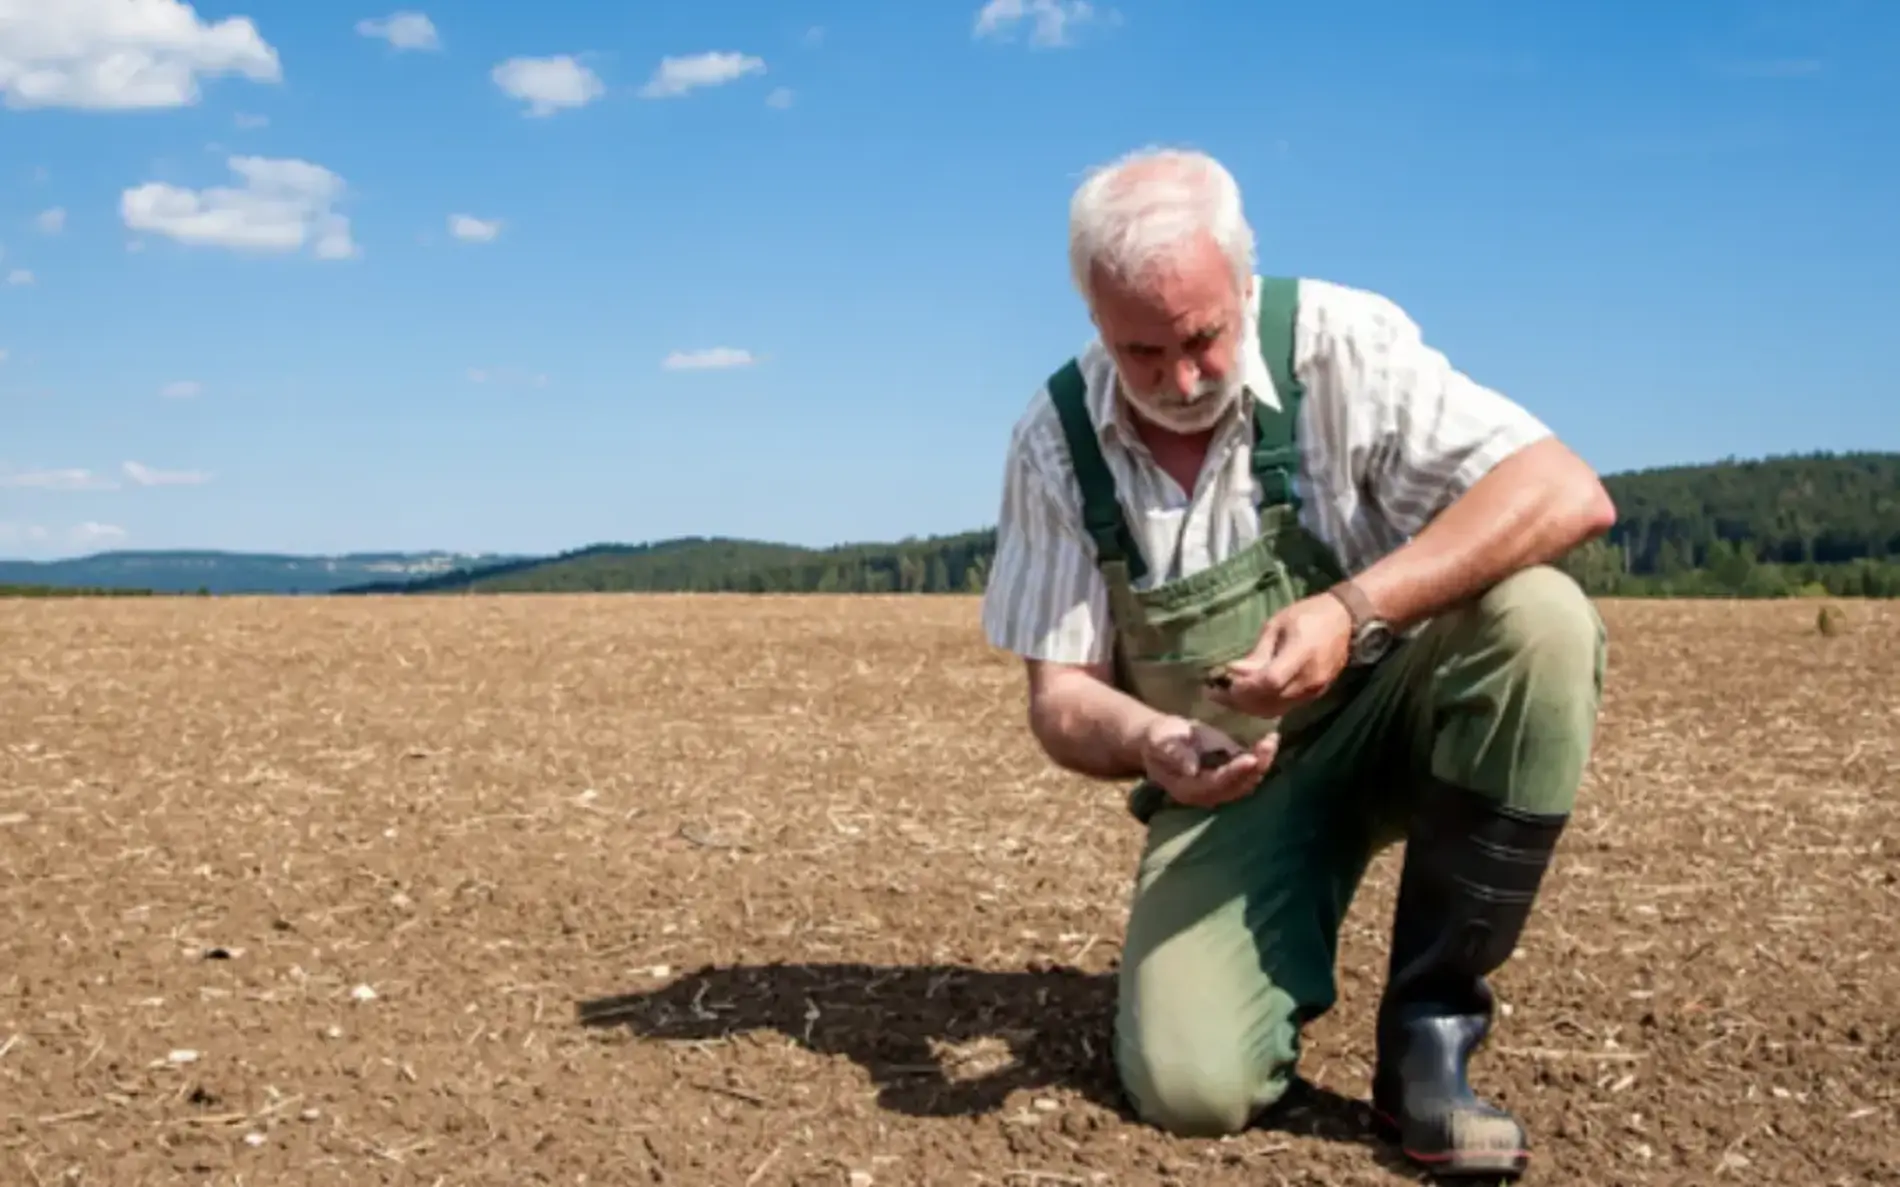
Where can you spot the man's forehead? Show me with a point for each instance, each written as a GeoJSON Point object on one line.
{"type": "Point", "coordinates": [1156, 324]}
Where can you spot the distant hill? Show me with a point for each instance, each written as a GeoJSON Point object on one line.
{"type": "Point", "coordinates": [1810, 523]}
{"type": "Point", "coordinates": [720, 565]}
{"type": "Point", "coordinates": [1762, 528]}
{"type": "Point", "coordinates": [234, 572]}
{"type": "Point", "coordinates": [1820, 522]}
{"type": "Point", "coordinates": [676, 564]}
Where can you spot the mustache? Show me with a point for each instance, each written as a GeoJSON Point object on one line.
{"type": "Point", "coordinates": [1205, 389]}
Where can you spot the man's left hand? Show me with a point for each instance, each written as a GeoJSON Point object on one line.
{"type": "Point", "coordinates": [1301, 652]}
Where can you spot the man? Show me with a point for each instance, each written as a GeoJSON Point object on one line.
{"type": "Point", "coordinates": [1270, 555]}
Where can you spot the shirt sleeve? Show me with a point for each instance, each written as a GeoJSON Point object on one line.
{"type": "Point", "coordinates": [1043, 597]}
{"type": "Point", "coordinates": [1420, 432]}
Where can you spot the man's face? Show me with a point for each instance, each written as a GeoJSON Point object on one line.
{"type": "Point", "coordinates": [1175, 337]}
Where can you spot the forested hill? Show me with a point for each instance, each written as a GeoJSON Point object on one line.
{"type": "Point", "coordinates": [184, 571]}
{"type": "Point", "coordinates": [1754, 528]}
{"type": "Point", "coordinates": [944, 564]}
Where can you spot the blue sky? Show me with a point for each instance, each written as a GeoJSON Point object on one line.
{"type": "Point", "coordinates": [1668, 229]}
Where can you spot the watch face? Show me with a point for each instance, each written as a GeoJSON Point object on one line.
{"type": "Point", "coordinates": [1372, 641]}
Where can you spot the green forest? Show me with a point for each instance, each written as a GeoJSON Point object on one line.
{"type": "Point", "coordinates": [1820, 524]}
{"type": "Point", "coordinates": [1809, 525]}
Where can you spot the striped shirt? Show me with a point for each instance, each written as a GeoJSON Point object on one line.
{"type": "Point", "coordinates": [1389, 434]}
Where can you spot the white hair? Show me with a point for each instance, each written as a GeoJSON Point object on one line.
{"type": "Point", "coordinates": [1134, 212]}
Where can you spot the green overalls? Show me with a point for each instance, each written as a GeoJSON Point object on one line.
{"type": "Point", "coordinates": [1236, 910]}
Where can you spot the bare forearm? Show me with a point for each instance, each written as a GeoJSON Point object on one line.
{"type": "Point", "coordinates": [1087, 726]}
{"type": "Point", "coordinates": [1531, 509]}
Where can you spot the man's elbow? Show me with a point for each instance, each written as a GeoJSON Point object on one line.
{"type": "Point", "coordinates": [1044, 725]}
{"type": "Point", "coordinates": [1057, 711]}
{"type": "Point", "coordinates": [1596, 510]}
{"type": "Point", "coordinates": [1584, 506]}
{"type": "Point", "coordinates": [1050, 716]}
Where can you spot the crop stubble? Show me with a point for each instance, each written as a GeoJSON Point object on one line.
{"type": "Point", "coordinates": [777, 891]}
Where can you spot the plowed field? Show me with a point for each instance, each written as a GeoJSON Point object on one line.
{"type": "Point", "coordinates": [753, 892]}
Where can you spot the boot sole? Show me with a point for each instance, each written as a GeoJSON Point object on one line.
{"type": "Point", "coordinates": [1464, 1164]}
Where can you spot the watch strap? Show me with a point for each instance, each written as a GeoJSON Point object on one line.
{"type": "Point", "coordinates": [1356, 602]}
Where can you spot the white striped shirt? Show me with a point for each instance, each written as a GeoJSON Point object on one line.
{"type": "Point", "coordinates": [1389, 433]}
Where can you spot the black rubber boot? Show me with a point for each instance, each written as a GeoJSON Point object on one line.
{"type": "Point", "coordinates": [1472, 870]}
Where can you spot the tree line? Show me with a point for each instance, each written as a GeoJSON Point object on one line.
{"type": "Point", "coordinates": [1808, 525]}
{"type": "Point", "coordinates": [1800, 525]}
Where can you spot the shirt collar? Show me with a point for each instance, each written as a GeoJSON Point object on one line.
{"type": "Point", "coordinates": [1109, 413]}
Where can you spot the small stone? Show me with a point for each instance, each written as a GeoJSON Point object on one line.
{"type": "Point", "coordinates": [182, 1055]}
{"type": "Point", "coordinates": [363, 993]}
{"type": "Point", "coordinates": [253, 1139]}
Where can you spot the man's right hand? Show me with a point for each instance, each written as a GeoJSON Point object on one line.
{"type": "Point", "coordinates": [1172, 751]}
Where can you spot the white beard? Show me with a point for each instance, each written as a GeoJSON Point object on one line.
{"type": "Point", "coordinates": [1195, 414]}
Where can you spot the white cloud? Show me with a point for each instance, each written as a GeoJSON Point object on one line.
{"type": "Point", "coordinates": [22, 533]}
{"type": "Point", "coordinates": [781, 98]}
{"type": "Point", "coordinates": [474, 230]}
{"type": "Point", "coordinates": [815, 36]}
{"type": "Point", "coordinates": [20, 277]}
{"type": "Point", "coordinates": [103, 55]}
{"type": "Point", "coordinates": [676, 76]}
{"type": "Point", "coordinates": [403, 30]}
{"type": "Point", "coordinates": [181, 389]}
{"type": "Point", "coordinates": [1050, 20]}
{"type": "Point", "coordinates": [716, 358]}
{"type": "Point", "coordinates": [51, 222]}
{"type": "Point", "coordinates": [548, 84]}
{"type": "Point", "coordinates": [283, 205]}
{"type": "Point", "coordinates": [246, 120]}
{"type": "Point", "coordinates": [145, 475]}
{"type": "Point", "coordinates": [87, 534]}
{"type": "Point", "coordinates": [70, 479]}
{"type": "Point", "coordinates": [3, 354]}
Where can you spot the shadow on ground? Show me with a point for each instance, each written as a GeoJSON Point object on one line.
{"type": "Point", "coordinates": [919, 1032]}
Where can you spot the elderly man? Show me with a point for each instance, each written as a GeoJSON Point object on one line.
{"type": "Point", "coordinates": [1271, 558]}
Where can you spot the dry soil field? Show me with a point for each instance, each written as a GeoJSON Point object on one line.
{"type": "Point", "coordinates": [755, 892]}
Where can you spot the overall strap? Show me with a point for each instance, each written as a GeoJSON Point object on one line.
{"type": "Point", "coordinates": [1276, 455]}
{"type": "Point", "coordinates": [1101, 511]}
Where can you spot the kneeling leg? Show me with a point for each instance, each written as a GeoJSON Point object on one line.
{"type": "Point", "coordinates": [1229, 951]}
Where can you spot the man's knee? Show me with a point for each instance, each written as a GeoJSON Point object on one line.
{"type": "Point", "coordinates": [1203, 1080]}
{"type": "Point", "coordinates": [1540, 619]}
{"type": "Point", "coordinates": [1203, 1048]}
{"type": "Point", "coordinates": [1519, 681]}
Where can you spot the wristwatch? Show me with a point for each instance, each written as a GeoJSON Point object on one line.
{"type": "Point", "coordinates": [1372, 636]}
